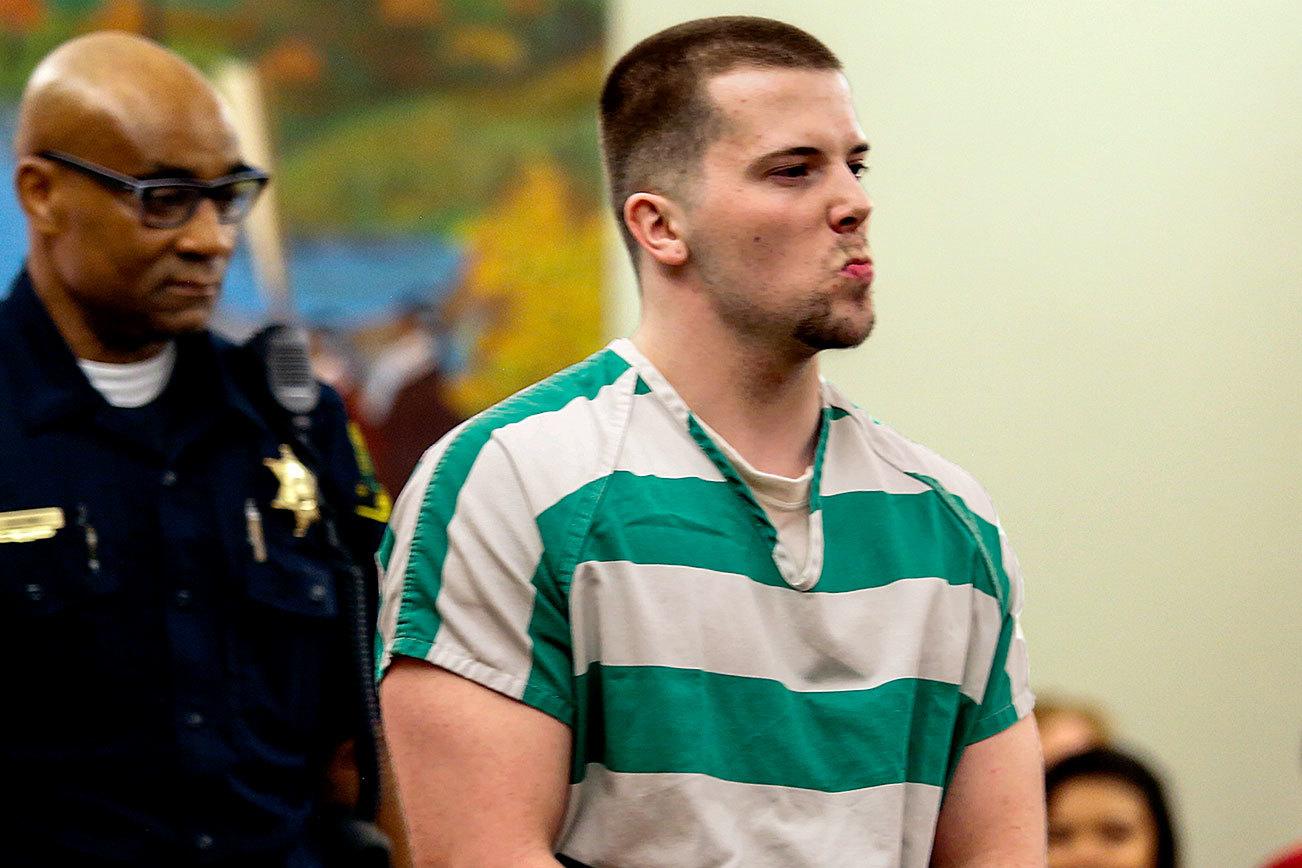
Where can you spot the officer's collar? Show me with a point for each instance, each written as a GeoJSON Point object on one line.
{"type": "Point", "coordinates": [205, 383]}
{"type": "Point", "coordinates": [46, 375]}
{"type": "Point", "coordinates": [53, 387]}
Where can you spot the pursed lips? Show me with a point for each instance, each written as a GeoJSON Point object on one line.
{"type": "Point", "coordinates": [858, 268]}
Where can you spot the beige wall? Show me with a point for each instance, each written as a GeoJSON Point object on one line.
{"type": "Point", "coordinates": [1087, 234]}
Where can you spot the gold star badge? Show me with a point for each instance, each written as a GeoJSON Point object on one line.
{"type": "Point", "coordinates": [298, 491]}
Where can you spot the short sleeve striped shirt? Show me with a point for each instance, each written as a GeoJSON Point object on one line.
{"type": "Point", "coordinates": [585, 548]}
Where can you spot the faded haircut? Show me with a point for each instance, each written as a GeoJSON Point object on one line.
{"type": "Point", "coordinates": [656, 119]}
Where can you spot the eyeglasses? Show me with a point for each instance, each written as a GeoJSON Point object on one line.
{"type": "Point", "coordinates": [166, 203]}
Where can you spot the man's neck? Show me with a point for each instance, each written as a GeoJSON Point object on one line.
{"type": "Point", "coordinates": [766, 406]}
{"type": "Point", "coordinates": [75, 326]}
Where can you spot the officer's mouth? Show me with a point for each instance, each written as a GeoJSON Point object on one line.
{"type": "Point", "coordinates": [195, 289]}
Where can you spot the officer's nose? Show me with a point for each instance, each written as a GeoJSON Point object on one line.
{"type": "Point", "coordinates": [204, 236]}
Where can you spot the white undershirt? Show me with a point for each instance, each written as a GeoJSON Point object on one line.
{"type": "Point", "coordinates": [785, 500]}
{"type": "Point", "coordinates": [131, 384]}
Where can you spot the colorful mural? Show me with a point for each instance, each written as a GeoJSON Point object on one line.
{"type": "Point", "coordinates": [431, 155]}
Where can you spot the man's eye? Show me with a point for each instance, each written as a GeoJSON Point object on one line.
{"type": "Point", "coordinates": [859, 169]}
{"type": "Point", "coordinates": [224, 194]}
{"type": "Point", "coordinates": [798, 171]}
{"type": "Point", "coordinates": [168, 197]}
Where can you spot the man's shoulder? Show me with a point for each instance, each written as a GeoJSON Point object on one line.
{"type": "Point", "coordinates": [914, 459]}
{"type": "Point", "coordinates": [243, 372]}
{"type": "Point", "coordinates": [545, 443]}
{"type": "Point", "coordinates": [533, 422]}
{"type": "Point", "coordinates": [246, 370]}
{"type": "Point", "coordinates": [20, 309]}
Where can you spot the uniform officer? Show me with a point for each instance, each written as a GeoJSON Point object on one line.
{"type": "Point", "coordinates": [172, 628]}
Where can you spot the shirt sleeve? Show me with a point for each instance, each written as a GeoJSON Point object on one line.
{"type": "Point", "coordinates": [1008, 697]}
{"type": "Point", "coordinates": [467, 584]}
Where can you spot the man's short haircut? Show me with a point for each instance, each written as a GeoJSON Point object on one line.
{"type": "Point", "coordinates": [655, 116]}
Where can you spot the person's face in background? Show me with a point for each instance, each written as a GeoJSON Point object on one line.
{"type": "Point", "coordinates": [1100, 822]}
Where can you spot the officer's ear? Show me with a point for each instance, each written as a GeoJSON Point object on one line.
{"type": "Point", "coordinates": [34, 182]}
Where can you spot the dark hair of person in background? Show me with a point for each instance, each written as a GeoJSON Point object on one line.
{"type": "Point", "coordinates": [655, 116]}
{"type": "Point", "coordinates": [1103, 763]}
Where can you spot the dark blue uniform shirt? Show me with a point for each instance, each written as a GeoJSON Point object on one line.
{"type": "Point", "coordinates": [172, 696]}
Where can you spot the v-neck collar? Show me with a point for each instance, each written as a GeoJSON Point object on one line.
{"type": "Point", "coordinates": [801, 577]}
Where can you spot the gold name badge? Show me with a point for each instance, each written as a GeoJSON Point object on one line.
{"type": "Point", "coordinates": [27, 525]}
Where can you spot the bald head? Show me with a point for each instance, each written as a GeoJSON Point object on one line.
{"type": "Point", "coordinates": [112, 89]}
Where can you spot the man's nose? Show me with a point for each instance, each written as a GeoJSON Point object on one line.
{"type": "Point", "coordinates": [852, 206]}
{"type": "Point", "coordinates": [204, 235]}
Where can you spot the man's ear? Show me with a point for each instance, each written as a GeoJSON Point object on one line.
{"type": "Point", "coordinates": [34, 183]}
{"type": "Point", "coordinates": [656, 223]}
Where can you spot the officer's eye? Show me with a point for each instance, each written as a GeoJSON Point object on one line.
{"type": "Point", "coordinates": [859, 169]}
{"type": "Point", "coordinates": [168, 201]}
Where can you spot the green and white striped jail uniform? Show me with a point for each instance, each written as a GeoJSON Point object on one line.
{"type": "Point", "coordinates": [585, 548]}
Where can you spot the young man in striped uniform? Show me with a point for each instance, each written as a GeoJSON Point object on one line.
{"type": "Point", "coordinates": [685, 604]}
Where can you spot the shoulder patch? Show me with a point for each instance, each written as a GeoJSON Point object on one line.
{"type": "Point", "coordinates": [373, 501]}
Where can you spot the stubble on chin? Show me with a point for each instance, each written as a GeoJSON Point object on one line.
{"type": "Point", "coordinates": [821, 328]}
